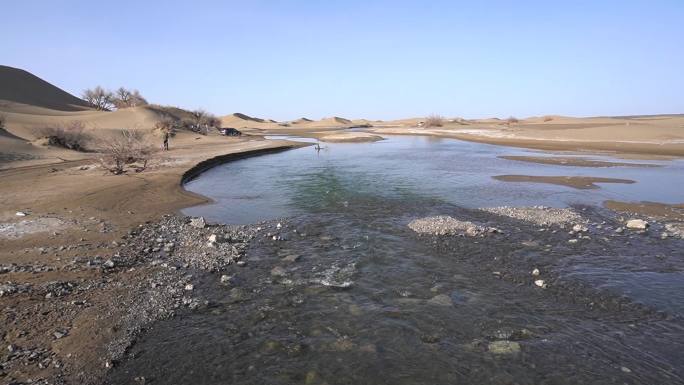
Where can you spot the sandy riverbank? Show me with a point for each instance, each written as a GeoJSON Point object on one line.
{"type": "Point", "coordinates": [68, 265]}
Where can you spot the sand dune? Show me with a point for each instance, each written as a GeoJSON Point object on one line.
{"type": "Point", "coordinates": [240, 120]}
{"type": "Point", "coordinates": [19, 87]}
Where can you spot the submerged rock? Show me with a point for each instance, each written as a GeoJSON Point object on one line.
{"type": "Point", "coordinates": [504, 347]}
{"type": "Point", "coordinates": [441, 300]}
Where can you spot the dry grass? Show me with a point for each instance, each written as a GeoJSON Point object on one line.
{"type": "Point", "coordinates": [434, 121]}
{"type": "Point", "coordinates": [128, 149]}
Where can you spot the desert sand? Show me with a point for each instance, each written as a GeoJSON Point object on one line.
{"type": "Point", "coordinates": [578, 182]}
{"type": "Point", "coordinates": [574, 161]}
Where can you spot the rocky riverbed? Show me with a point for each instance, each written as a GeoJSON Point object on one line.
{"type": "Point", "coordinates": [148, 276]}
{"type": "Point", "coordinates": [266, 271]}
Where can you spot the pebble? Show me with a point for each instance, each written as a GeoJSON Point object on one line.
{"type": "Point", "coordinates": [21, 214]}
{"type": "Point", "coordinates": [535, 272]}
{"type": "Point", "coordinates": [225, 279]}
{"type": "Point", "coordinates": [574, 240]}
{"type": "Point", "coordinates": [59, 334]}
{"type": "Point", "coordinates": [540, 283]}
{"type": "Point", "coordinates": [189, 287]}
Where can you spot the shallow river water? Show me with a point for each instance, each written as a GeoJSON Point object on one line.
{"type": "Point", "coordinates": [368, 301]}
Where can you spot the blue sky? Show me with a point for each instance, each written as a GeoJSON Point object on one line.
{"type": "Point", "coordinates": [373, 59]}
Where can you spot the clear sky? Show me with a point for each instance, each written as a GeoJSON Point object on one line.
{"type": "Point", "coordinates": [374, 59]}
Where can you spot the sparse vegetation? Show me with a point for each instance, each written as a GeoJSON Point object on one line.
{"type": "Point", "coordinates": [434, 121]}
{"type": "Point", "coordinates": [104, 100]}
{"type": "Point", "coordinates": [124, 98]}
{"type": "Point", "coordinates": [3, 119]}
{"type": "Point", "coordinates": [512, 120]}
{"type": "Point", "coordinates": [202, 121]}
{"type": "Point", "coordinates": [99, 98]}
{"type": "Point", "coordinates": [548, 118]}
{"type": "Point", "coordinates": [71, 135]}
{"type": "Point", "coordinates": [127, 149]}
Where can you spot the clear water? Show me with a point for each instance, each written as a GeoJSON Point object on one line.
{"type": "Point", "coordinates": [370, 302]}
{"type": "Point", "coordinates": [408, 167]}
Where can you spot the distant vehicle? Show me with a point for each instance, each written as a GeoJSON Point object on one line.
{"type": "Point", "coordinates": [230, 132]}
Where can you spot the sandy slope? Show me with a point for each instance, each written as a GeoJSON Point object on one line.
{"type": "Point", "coordinates": [22, 87]}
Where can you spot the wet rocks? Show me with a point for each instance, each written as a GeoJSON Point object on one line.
{"type": "Point", "coordinates": [446, 225]}
{"type": "Point", "coordinates": [540, 283]}
{"type": "Point", "coordinates": [674, 230]}
{"type": "Point", "coordinates": [226, 279]}
{"type": "Point", "coordinates": [637, 224]}
{"type": "Point", "coordinates": [292, 258]}
{"type": "Point", "coordinates": [503, 347]}
{"type": "Point", "coordinates": [440, 300]}
{"type": "Point", "coordinates": [539, 215]}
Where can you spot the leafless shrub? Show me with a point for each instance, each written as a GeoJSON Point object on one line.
{"type": "Point", "coordinates": [202, 121]}
{"type": "Point", "coordinates": [434, 121]}
{"type": "Point", "coordinates": [126, 149]}
{"type": "Point", "coordinates": [512, 120]}
{"type": "Point", "coordinates": [124, 98]}
{"type": "Point", "coordinates": [99, 98]}
{"type": "Point", "coordinates": [70, 135]}
{"type": "Point", "coordinates": [548, 118]}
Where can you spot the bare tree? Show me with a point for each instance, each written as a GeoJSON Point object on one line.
{"type": "Point", "coordinates": [99, 98]}
{"type": "Point", "coordinates": [129, 148]}
{"type": "Point", "coordinates": [124, 98]}
{"type": "Point", "coordinates": [202, 121]}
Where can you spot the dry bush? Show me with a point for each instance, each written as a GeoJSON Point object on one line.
{"type": "Point", "coordinates": [512, 120]}
{"type": "Point", "coordinates": [126, 149]}
{"type": "Point", "coordinates": [71, 135]}
{"type": "Point", "coordinates": [434, 121]}
{"type": "Point", "coordinates": [548, 118]}
{"type": "Point", "coordinates": [167, 124]}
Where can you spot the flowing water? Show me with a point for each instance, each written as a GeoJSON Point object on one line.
{"type": "Point", "coordinates": [368, 301]}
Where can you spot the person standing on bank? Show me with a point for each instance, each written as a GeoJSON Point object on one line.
{"type": "Point", "coordinates": [166, 141]}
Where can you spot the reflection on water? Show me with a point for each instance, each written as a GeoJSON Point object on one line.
{"type": "Point", "coordinates": [366, 301]}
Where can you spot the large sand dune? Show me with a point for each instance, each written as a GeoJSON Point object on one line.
{"type": "Point", "coordinates": [21, 87]}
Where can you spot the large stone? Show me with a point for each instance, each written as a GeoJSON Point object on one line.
{"type": "Point", "coordinates": [198, 222]}
{"type": "Point", "coordinates": [637, 224]}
